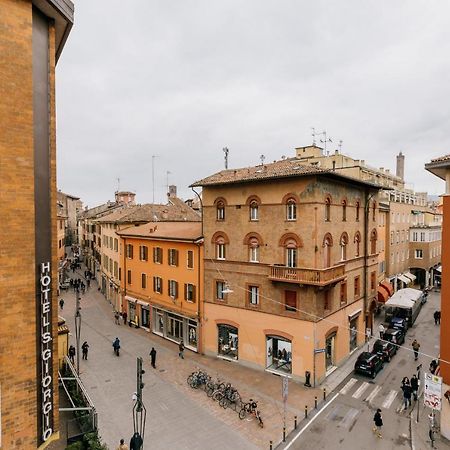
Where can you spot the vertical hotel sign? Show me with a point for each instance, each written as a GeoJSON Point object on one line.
{"type": "Point", "coordinates": [46, 339]}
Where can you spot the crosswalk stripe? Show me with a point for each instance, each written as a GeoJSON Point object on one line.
{"type": "Point", "coordinates": [373, 394]}
{"type": "Point", "coordinates": [390, 398]}
{"type": "Point", "coordinates": [360, 390]}
{"type": "Point", "coordinates": [348, 386]}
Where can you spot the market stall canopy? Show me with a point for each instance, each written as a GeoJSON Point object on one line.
{"type": "Point", "coordinates": [410, 275]}
{"type": "Point", "coordinates": [383, 295]}
{"type": "Point", "coordinates": [404, 279]}
{"type": "Point", "coordinates": [388, 286]}
{"type": "Point", "coordinates": [404, 298]}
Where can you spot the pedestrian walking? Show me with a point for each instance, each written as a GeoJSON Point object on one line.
{"type": "Point", "coordinates": [153, 357]}
{"type": "Point", "coordinates": [88, 283]}
{"type": "Point", "coordinates": [122, 445]}
{"type": "Point", "coordinates": [117, 317]}
{"type": "Point", "coordinates": [435, 315]}
{"type": "Point", "coordinates": [439, 317]}
{"type": "Point", "coordinates": [381, 329]}
{"type": "Point", "coordinates": [378, 420]}
{"type": "Point", "coordinates": [85, 349]}
{"type": "Point", "coordinates": [124, 317]}
{"type": "Point", "coordinates": [414, 386]}
{"type": "Point", "coordinates": [72, 354]}
{"type": "Point", "coordinates": [433, 365]}
{"type": "Point", "coordinates": [404, 381]}
{"type": "Point", "coordinates": [136, 442]}
{"type": "Point", "coordinates": [406, 388]}
{"type": "Point", "coordinates": [61, 303]}
{"type": "Point", "coordinates": [181, 349]}
{"type": "Point", "coordinates": [416, 348]}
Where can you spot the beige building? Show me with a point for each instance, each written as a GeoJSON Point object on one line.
{"type": "Point", "coordinates": [71, 208]}
{"type": "Point", "coordinates": [290, 266]}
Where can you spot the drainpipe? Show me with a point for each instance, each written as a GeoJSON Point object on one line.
{"type": "Point", "coordinates": [366, 252]}
{"type": "Point", "coordinates": [124, 274]}
{"type": "Point", "coordinates": [199, 309]}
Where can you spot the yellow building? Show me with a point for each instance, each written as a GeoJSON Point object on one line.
{"type": "Point", "coordinates": [162, 283]}
{"type": "Point", "coordinates": [290, 266]}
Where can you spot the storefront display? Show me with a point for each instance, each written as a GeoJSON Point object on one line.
{"type": "Point", "coordinates": [145, 317]}
{"type": "Point", "coordinates": [279, 354]}
{"type": "Point", "coordinates": [228, 341]}
{"type": "Point", "coordinates": [353, 324]}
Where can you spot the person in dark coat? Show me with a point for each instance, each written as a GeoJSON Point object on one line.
{"type": "Point", "coordinates": [435, 315]}
{"type": "Point", "coordinates": [124, 316]}
{"type": "Point", "coordinates": [378, 420]}
{"type": "Point", "coordinates": [406, 388]}
{"type": "Point", "coordinates": [181, 349]}
{"type": "Point", "coordinates": [414, 386]}
{"type": "Point", "coordinates": [61, 303]}
{"type": "Point", "coordinates": [439, 317]}
{"type": "Point", "coordinates": [85, 349]}
{"type": "Point", "coordinates": [153, 357]}
{"type": "Point", "coordinates": [136, 442]}
{"type": "Point", "coordinates": [72, 354]}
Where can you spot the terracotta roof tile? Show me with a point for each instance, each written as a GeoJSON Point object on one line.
{"type": "Point", "coordinates": [441, 159]}
{"type": "Point", "coordinates": [165, 230]}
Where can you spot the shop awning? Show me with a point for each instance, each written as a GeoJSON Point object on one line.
{"type": "Point", "coordinates": [383, 295]}
{"type": "Point", "coordinates": [410, 276]}
{"type": "Point", "coordinates": [438, 269]}
{"type": "Point", "coordinates": [388, 286]}
{"type": "Point", "coordinates": [404, 279]}
{"type": "Point", "coordinates": [136, 300]}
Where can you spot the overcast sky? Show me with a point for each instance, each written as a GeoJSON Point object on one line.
{"type": "Point", "coordinates": [182, 79]}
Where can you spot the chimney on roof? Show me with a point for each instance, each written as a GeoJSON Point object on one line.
{"type": "Point", "coordinates": [125, 197]}
{"type": "Point", "coordinates": [400, 172]}
{"type": "Point", "coordinates": [172, 191]}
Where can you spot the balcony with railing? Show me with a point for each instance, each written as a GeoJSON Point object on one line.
{"type": "Point", "coordinates": [302, 275]}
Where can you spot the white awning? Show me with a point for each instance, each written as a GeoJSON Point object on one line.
{"type": "Point", "coordinates": [410, 275]}
{"type": "Point", "coordinates": [438, 269]}
{"type": "Point", "coordinates": [404, 279]}
{"type": "Point", "coordinates": [354, 314]}
{"type": "Point", "coordinates": [136, 300]}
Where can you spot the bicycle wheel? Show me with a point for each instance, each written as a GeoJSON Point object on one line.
{"type": "Point", "coordinates": [217, 396]}
{"type": "Point", "coordinates": [189, 380]}
{"type": "Point", "coordinates": [242, 413]}
{"type": "Point", "coordinates": [210, 390]}
{"type": "Point", "coordinates": [224, 402]}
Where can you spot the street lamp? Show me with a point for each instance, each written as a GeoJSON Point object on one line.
{"type": "Point", "coordinates": [78, 326]}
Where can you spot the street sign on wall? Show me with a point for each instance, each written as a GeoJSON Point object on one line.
{"type": "Point", "coordinates": [432, 394]}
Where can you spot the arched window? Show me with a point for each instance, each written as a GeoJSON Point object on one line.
{"type": "Point", "coordinates": [220, 210]}
{"type": "Point", "coordinates": [344, 210]}
{"type": "Point", "coordinates": [373, 241]}
{"type": "Point", "coordinates": [253, 250]}
{"type": "Point", "coordinates": [327, 244]}
{"type": "Point", "coordinates": [291, 242]}
{"type": "Point", "coordinates": [343, 242]}
{"type": "Point", "coordinates": [254, 210]}
{"type": "Point", "coordinates": [291, 209]}
{"type": "Point", "coordinates": [357, 207]}
{"type": "Point", "coordinates": [328, 209]}
{"type": "Point", "coordinates": [220, 241]}
{"type": "Point", "coordinates": [357, 241]}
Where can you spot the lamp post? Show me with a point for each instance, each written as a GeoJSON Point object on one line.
{"type": "Point", "coordinates": [78, 326]}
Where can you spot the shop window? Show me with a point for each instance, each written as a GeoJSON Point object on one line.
{"type": "Point", "coordinates": [279, 354]}
{"type": "Point", "coordinates": [130, 251]}
{"type": "Point", "coordinates": [173, 257]}
{"type": "Point", "coordinates": [192, 333]}
{"type": "Point", "coordinates": [157, 285]}
{"type": "Point", "coordinates": [159, 321]}
{"type": "Point", "coordinates": [328, 209]}
{"type": "Point", "coordinates": [173, 289]}
{"type": "Point", "coordinates": [353, 325]}
{"type": "Point", "coordinates": [343, 293]}
{"type": "Point", "coordinates": [144, 281]}
{"type": "Point", "coordinates": [129, 276]}
{"type": "Point", "coordinates": [253, 295]}
{"type": "Point", "coordinates": [291, 209]}
{"type": "Point", "coordinates": [143, 253]}
{"type": "Point", "coordinates": [174, 327]}
{"type": "Point", "coordinates": [228, 342]}
{"type": "Point", "coordinates": [157, 255]}
{"type": "Point", "coordinates": [290, 301]}
{"type": "Point", "coordinates": [330, 351]}
{"type": "Point", "coordinates": [220, 210]}
{"type": "Point", "coordinates": [189, 292]}
{"type": "Point", "coordinates": [145, 317]}
{"type": "Point", "coordinates": [190, 259]}
{"type": "Point", "coordinates": [254, 211]}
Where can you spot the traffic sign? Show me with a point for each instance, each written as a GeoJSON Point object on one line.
{"type": "Point", "coordinates": [432, 394]}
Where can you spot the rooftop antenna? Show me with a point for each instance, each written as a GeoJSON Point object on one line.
{"type": "Point", "coordinates": [340, 145]}
{"type": "Point", "coordinates": [226, 151]}
{"type": "Point", "coordinates": [313, 134]}
{"type": "Point", "coordinates": [323, 141]}
{"type": "Point", "coordinates": [153, 176]}
{"type": "Point", "coordinates": [262, 158]}
{"type": "Point", "coordinates": [118, 184]}
{"type": "Point", "coordinates": [167, 180]}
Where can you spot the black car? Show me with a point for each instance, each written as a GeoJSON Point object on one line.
{"type": "Point", "coordinates": [399, 322]}
{"type": "Point", "coordinates": [394, 335]}
{"type": "Point", "coordinates": [384, 349]}
{"type": "Point", "coordinates": [368, 364]}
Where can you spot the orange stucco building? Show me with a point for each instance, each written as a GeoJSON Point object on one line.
{"type": "Point", "coordinates": [161, 279]}
{"type": "Point", "coordinates": [290, 267]}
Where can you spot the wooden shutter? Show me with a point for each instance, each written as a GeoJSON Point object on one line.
{"type": "Point", "coordinates": [194, 298]}
{"type": "Point", "coordinates": [175, 257]}
{"type": "Point", "coordinates": [185, 291]}
{"type": "Point", "coordinates": [176, 289]}
{"type": "Point", "coordinates": [290, 300]}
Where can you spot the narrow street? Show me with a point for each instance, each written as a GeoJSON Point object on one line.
{"type": "Point", "coordinates": [348, 420]}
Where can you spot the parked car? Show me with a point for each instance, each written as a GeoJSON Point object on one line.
{"type": "Point", "coordinates": [399, 322]}
{"type": "Point", "coordinates": [368, 364]}
{"type": "Point", "coordinates": [385, 350]}
{"type": "Point", "coordinates": [394, 335]}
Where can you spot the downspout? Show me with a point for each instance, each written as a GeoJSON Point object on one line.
{"type": "Point", "coordinates": [124, 274]}
{"type": "Point", "coordinates": [366, 253]}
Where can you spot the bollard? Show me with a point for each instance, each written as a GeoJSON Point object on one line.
{"type": "Point", "coordinates": [315, 402]}
{"type": "Point", "coordinates": [295, 422]}
{"type": "Point", "coordinates": [284, 434]}
{"type": "Point", "coordinates": [271, 446]}
{"type": "Point", "coordinates": [324, 394]}
{"type": "Point", "coordinates": [306, 411]}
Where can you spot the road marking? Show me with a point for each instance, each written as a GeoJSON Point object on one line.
{"type": "Point", "coordinates": [311, 421]}
{"type": "Point", "coordinates": [164, 407]}
{"type": "Point", "coordinates": [360, 390]}
{"type": "Point", "coordinates": [390, 398]}
{"type": "Point", "coordinates": [373, 394]}
{"type": "Point", "coordinates": [349, 417]}
{"type": "Point", "coordinates": [348, 386]}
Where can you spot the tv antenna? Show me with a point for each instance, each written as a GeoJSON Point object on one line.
{"type": "Point", "coordinates": [226, 151]}
{"type": "Point", "coordinates": [340, 145]}
{"type": "Point", "coordinates": [262, 158]}
{"type": "Point", "coordinates": [118, 184]}
{"type": "Point", "coordinates": [324, 140]}
{"type": "Point", "coordinates": [167, 180]}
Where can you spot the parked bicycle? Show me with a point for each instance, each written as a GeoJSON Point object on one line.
{"type": "Point", "coordinates": [214, 386]}
{"type": "Point", "coordinates": [231, 397]}
{"type": "Point", "coordinates": [251, 408]}
{"type": "Point", "coordinates": [198, 379]}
